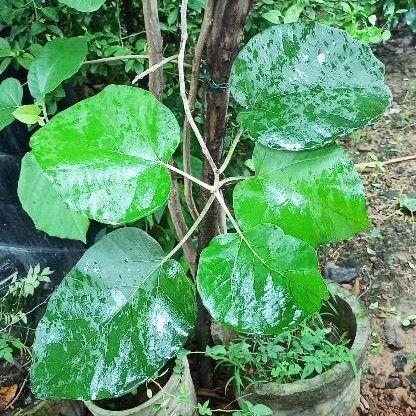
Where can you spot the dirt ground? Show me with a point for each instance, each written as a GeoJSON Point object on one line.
{"type": "Point", "coordinates": [385, 256]}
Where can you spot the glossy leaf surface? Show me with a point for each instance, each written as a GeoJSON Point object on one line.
{"type": "Point", "coordinates": [315, 195]}
{"type": "Point", "coordinates": [11, 94]}
{"type": "Point", "coordinates": [104, 154]}
{"type": "Point", "coordinates": [84, 5]}
{"type": "Point", "coordinates": [58, 60]}
{"type": "Point", "coordinates": [262, 285]}
{"type": "Point", "coordinates": [44, 205]}
{"type": "Point", "coordinates": [304, 84]}
{"type": "Point", "coordinates": [115, 320]}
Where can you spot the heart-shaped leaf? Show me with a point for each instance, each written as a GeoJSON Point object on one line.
{"type": "Point", "coordinates": [315, 195]}
{"type": "Point", "coordinates": [58, 60]}
{"type": "Point", "coordinates": [28, 114]}
{"type": "Point", "coordinates": [11, 94]}
{"type": "Point", "coordinates": [44, 205]}
{"type": "Point", "coordinates": [84, 5]}
{"type": "Point", "coordinates": [117, 318]}
{"type": "Point", "coordinates": [305, 84]}
{"type": "Point", "coordinates": [262, 284]}
{"type": "Point", "coordinates": [104, 155]}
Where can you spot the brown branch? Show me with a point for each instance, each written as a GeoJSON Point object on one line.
{"type": "Point", "coordinates": [229, 17]}
{"type": "Point", "coordinates": [175, 210]}
{"type": "Point", "coordinates": [155, 69]}
{"type": "Point", "coordinates": [155, 45]}
{"type": "Point", "coordinates": [193, 90]}
{"type": "Point", "coordinates": [156, 86]}
{"type": "Point", "coordinates": [182, 89]}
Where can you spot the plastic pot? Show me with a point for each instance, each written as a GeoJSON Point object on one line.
{"type": "Point", "coordinates": [335, 392]}
{"type": "Point", "coordinates": [175, 383]}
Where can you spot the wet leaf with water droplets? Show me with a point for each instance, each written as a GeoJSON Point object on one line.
{"type": "Point", "coordinates": [104, 154]}
{"type": "Point", "coordinates": [263, 285]}
{"type": "Point", "coordinates": [46, 208]}
{"type": "Point", "coordinates": [116, 319]}
{"type": "Point", "coordinates": [315, 195]}
{"type": "Point", "coordinates": [305, 84]}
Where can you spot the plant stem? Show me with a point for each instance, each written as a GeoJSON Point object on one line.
{"type": "Point", "coordinates": [155, 46]}
{"type": "Point", "coordinates": [156, 86]}
{"type": "Point", "coordinates": [228, 21]}
{"type": "Point", "coordinates": [193, 89]}
{"type": "Point", "coordinates": [192, 229]}
{"type": "Point", "coordinates": [178, 220]}
{"type": "Point", "coordinates": [154, 68]}
{"type": "Point", "coordinates": [190, 177]}
{"type": "Point", "coordinates": [231, 179]}
{"type": "Point", "coordinates": [221, 201]}
{"type": "Point", "coordinates": [45, 112]}
{"type": "Point", "coordinates": [182, 87]}
{"type": "Point", "coordinates": [231, 151]}
{"type": "Point", "coordinates": [115, 58]}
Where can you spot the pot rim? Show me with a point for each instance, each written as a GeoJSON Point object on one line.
{"type": "Point", "coordinates": [357, 349]}
{"type": "Point", "coordinates": [174, 379]}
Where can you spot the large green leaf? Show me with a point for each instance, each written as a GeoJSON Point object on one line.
{"type": "Point", "coordinates": [84, 5]}
{"type": "Point", "coordinates": [315, 195]}
{"type": "Point", "coordinates": [104, 155]}
{"type": "Point", "coordinates": [44, 205]}
{"type": "Point", "coordinates": [262, 285]}
{"type": "Point", "coordinates": [304, 84]}
{"type": "Point", "coordinates": [116, 319]}
{"type": "Point", "coordinates": [58, 60]}
{"type": "Point", "coordinates": [11, 94]}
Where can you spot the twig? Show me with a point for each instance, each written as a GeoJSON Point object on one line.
{"type": "Point", "coordinates": [154, 68]}
{"type": "Point", "coordinates": [122, 58]}
{"type": "Point", "coordinates": [190, 177]}
{"type": "Point", "coordinates": [115, 58]}
{"type": "Point", "coordinates": [192, 229]}
{"type": "Point", "coordinates": [17, 395]}
{"type": "Point", "coordinates": [230, 217]}
{"type": "Point", "coordinates": [231, 179]}
{"type": "Point", "coordinates": [231, 151]}
{"type": "Point", "coordinates": [182, 87]}
{"type": "Point", "coordinates": [193, 89]}
{"type": "Point", "coordinates": [363, 166]}
{"type": "Point", "coordinates": [178, 220]}
{"type": "Point", "coordinates": [222, 220]}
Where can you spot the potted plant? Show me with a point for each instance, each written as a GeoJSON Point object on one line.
{"type": "Point", "coordinates": [312, 369]}
{"type": "Point", "coordinates": [127, 307]}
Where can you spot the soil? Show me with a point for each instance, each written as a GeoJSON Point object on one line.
{"type": "Point", "coordinates": [385, 256]}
